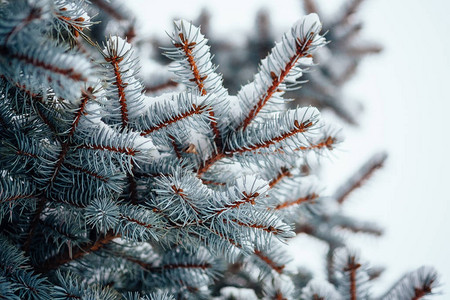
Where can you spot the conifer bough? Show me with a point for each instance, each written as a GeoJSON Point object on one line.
{"type": "Point", "coordinates": [110, 193]}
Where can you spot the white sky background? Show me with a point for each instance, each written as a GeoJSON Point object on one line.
{"type": "Point", "coordinates": [407, 106]}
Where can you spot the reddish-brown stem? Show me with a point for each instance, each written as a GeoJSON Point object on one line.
{"type": "Point", "coordinates": [175, 146]}
{"type": "Point", "coordinates": [361, 176]}
{"type": "Point", "coordinates": [352, 267]}
{"type": "Point", "coordinates": [195, 110]}
{"type": "Point", "coordinates": [121, 85]}
{"type": "Point", "coordinates": [17, 197]}
{"type": "Point", "coordinates": [298, 128]}
{"type": "Point", "coordinates": [327, 143]}
{"type": "Point", "coordinates": [90, 173]}
{"type": "Point", "coordinates": [212, 160]}
{"type": "Point", "coordinates": [75, 29]}
{"type": "Point", "coordinates": [66, 257]}
{"type": "Point", "coordinates": [187, 47]}
{"type": "Point", "coordinates": [69, 72]}
{"type": "Point", "coordinates": [65, 147]}
{"type": "Point", "coordinates": [269, 229]}
{"type": "Point", "coordinates": [247, 199]}
{"type": "Point", "coordinates": [210, 182]}
{"type": "Point", "coordinates": [279, 296]}
{"type": "Point", "coordinates": [35, 13]}
{"type": "Point", "coordinates": [180, 192]}
{"type": "Point", "coordinates": [284, 172]}
{"type": "Point", "coordinates": [163, 86]}
{"type": "Point", "coordinates": [136, 221]}
{"type": "Point", "coordinates": [421, 292]}
{"type": "Point", "coordinates": [270, 262]}
{"type": "Point", "coordinates": [128, 151]}
{"type": "Point", "coordinates": [23, 153]}
{"type": "Point", "coordinates": [300, 200]}
{"type": "Point", "coordinates": [301, 51]}
{"type": "Point", "coordinates": [86, 96]}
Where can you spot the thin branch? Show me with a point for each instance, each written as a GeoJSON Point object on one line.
{"type": "Point", "coordinates": [284, 172]}
{"type": "Point", "coordinates": [69, 256]}
{"type": "Point", "coordinates": [352, 267]}
{"type": "Point", "coordinates": [270, 262]}
{"type": "Point", "coordinates": [360, 177]}
{"type": "Point", "coordinates": [301, 51]}
{"type": "Point", "coordinates": [308, 198]}
{"type": "Point", "coordinates": [115, 60]}
{"type": "Point", "coordinates": [163, 86]}
{"type": "Point", "coordinates": [187, 47]}
{"type": "Point", "coordinates": [195, 110]}
{"type": "Point", "coordinates": [68, 72]}
{"type": "Point", "coordinates": [247, 199]}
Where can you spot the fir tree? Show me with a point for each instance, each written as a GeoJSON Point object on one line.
{"type": "Point", "coordinates": [109, 193]}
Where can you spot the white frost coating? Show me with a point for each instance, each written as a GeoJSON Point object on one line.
{"type": "Point", "coordinates": [305, 114]}
{"type": "Point", "coordinates": [193, 66]}
{"type": "Point", "coordinates": [281, 66]}
{"type": "Point", "coordinates": [76, 11]}
{"type": "Point", "coordinates": [251, 184]}
{"type": "Point", "coordinates": [120, 45]}
{"type": "Point", "coordinates": [230, 292]}
{"type": "Point", "coordinates": [319, 289]}
{"type": "Point", "coordinates": [121, 61]}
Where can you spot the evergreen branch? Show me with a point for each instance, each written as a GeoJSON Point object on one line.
{"type": "Point", "coordinates": [88, 172]}
{"type": "Point", "coordinates": [175, 146]}
{"type": "Point", "coordinates": [17, 197]}
{"type": "Point", "coordinates": [123, 150]}
{"type": "Point", "coordinates": [187, 47]}
{"type": "Point", "coordinates": [65, 147]}
{"type": "Point", "coordinates": [269, 229]}
{"type": "Point", "coordinates": [328, 143]}
{"type": "Point", "coordinates": [211, 161]}
{"type": "Point", "coordinates": [248, 198]}
{"type": "Point", "coordinates": [286, 204]}
{"type": "Point", "coordinates": [194, 110]}
{"type": "Point", "coordinates": [414, 285]}
{"type": "Point", "coordinates": [250, 141]}
{"type": "Point", "coordinates": [281, 65]}
{"type": "Point", "coordinates": [85, 97]}
{"type": "Point", "coordinates": [277, 268]}
{"type": "Point", "coordinates": [52, 68]}
{"type": "Point", "coordinates": [360, 177]}
{"type": "Point", "coordinates": [73, 18]}
{"type": "Point", "coordinates": [351, 268]}
{"type": "Point", "coordinates": [211, 182]}
{"type": "Point", "coordinates": [114, 60]}
{"type": "Point", "coordinates": [284, 172]}
{"type": "Point", "coordinates": [34, 13]}
{"type": "Point", "coordinates": [276, 81]}
{"type": "Point", "coordinates": [351, 275]}
{"type": "Point", "coordinates": [197, 71]}
{"type": "Point", "coordinates": [160, 87]}
{"type": "Point", "coordinates": [67, 256]}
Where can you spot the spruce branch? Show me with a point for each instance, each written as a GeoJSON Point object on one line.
{"type": "Point", "coordinates": [282, 65]}
{"type": "Point", "coordinates": [365, 172]}
{"type": "Point", "coordinates": [67, 256]}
